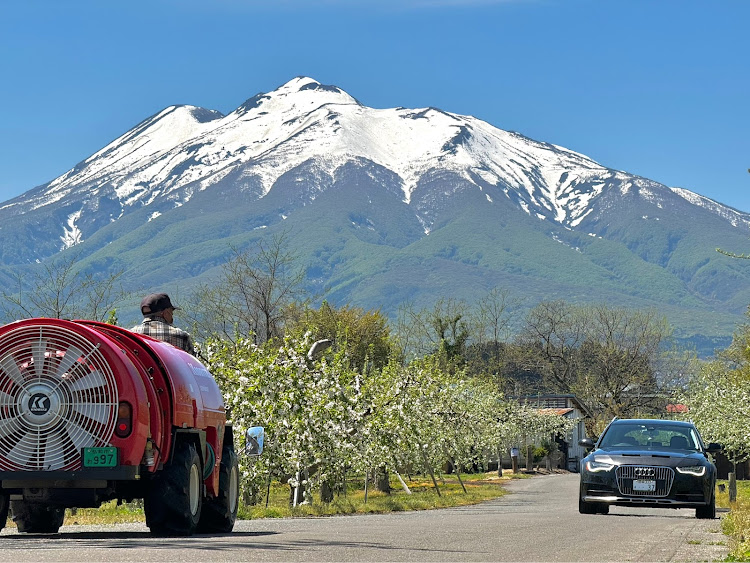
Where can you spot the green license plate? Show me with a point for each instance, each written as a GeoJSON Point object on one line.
{"type": "Point", "coordinates": [100, 457]}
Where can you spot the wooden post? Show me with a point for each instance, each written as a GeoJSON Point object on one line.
{"type": "Point", "coordinates": [432, 473]}
{"type": "Point", "coordinates": [457, 469]}
{"type": "Point", "coordinates": [268, 488]}
{"type": "Point", "coordinates": [732, 487]}
{"type": "Point", "coordinates": [458, 474]}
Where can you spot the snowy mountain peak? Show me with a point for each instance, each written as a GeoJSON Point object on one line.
{"type": "Point", "coordinates": [299, 93]}
{"type": "Point", "coordinates": [184, 150]}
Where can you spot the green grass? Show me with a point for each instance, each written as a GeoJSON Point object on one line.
{"type": "Point", "coordinates": [479, 487]}
{"type": "Point", "coordinates": [736, 525]}
{"type": "Point", "coordinates": [107, 513]}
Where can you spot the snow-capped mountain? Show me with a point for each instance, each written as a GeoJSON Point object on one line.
{"type": "Point", "coordinates": [183, 150]}
{"type": "Point", "coordinates": [388, 186]}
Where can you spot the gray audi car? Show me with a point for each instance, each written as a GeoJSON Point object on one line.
{"type": "Point", "coordinates": [648, 462]}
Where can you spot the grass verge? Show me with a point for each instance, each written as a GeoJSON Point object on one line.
{"type": "Point", "coordinates": [736, 525]}
{"type": "Point", "coordinates": [479, 487]}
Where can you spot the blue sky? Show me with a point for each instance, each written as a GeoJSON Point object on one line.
{"type": "Point", "coordinates": [659, 89]}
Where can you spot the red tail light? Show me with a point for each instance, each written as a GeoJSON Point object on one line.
{"type": "Point", "coordinates": [124, 420]}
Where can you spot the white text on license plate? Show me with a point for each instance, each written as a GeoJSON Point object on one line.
{"type": "Point", "coordinates": [645, 485]}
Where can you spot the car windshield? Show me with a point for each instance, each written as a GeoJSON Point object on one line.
{"type": "Point", "coordinates": [648, 435]}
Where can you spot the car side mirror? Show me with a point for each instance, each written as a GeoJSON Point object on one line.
{"type": "Point", "coordinates": [714, 448]}
{"type": "Point", "coordinates": [587, 443]}
{"type": "Point", "coordinates": [254, 441]}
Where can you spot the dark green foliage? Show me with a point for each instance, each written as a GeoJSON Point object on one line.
{"type": "Point", "coordinates": [364, 334]}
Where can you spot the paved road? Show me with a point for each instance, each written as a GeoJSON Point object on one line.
{"type": "Point", "coordinates": [538, 522]}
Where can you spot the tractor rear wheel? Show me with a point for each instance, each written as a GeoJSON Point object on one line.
{"type": "Point", "coordinates": [35, 518]}
{"type": "Point", "coordinates": [220, 513]}
{"type": "Point", "coordinates": [173, 502]}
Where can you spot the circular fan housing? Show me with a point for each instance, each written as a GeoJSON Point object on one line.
{"type": "Point", "coordinates": [60, 389]}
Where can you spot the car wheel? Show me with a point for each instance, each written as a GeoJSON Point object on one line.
{"type": "Point", "coordinates": [587, 507]}
{"type": "Point", "coordinates": [707, 512]}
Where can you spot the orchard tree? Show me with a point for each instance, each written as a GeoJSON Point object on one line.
{"type": "Point", "coordinates": [325, 419]}
{"type": "Point", "coordinates": [399, 423]}
{"type": "Point", "coordinates": [719, 404]}
{"type": "Point", "coordinates": [305, 406]}
{"type": "Point", "coordinates": [719, 398]}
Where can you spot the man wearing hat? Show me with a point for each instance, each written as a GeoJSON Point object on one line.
{"type": "Point", "coordinates": [157, 322]}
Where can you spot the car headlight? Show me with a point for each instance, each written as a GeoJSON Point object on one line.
{"type": "Point", "coordinates": [697, 470]}
{"type": "Point", "coordinates": [594, 466]}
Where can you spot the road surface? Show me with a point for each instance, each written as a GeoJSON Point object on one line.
{"type": "Point", "coordinates": [539, 521]}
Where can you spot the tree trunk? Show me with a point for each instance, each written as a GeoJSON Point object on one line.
{"type": "Point", "coordinates": [326, 492]}
{"type": "Point", "coordinates": [382, 481]}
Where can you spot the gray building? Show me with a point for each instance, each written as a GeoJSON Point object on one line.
{"type": "Point", "coordinates": [570, 407]}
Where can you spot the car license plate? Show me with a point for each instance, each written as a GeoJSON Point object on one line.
{"type": "Point", "coordinates": [100, 457]}
{"type": "Point", "coordinates": [644, 485]}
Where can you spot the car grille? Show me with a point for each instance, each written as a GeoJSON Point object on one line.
{"type": "Point", "coordinates": [663, 476]}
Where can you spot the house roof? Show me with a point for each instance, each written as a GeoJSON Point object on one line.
{"type": "Point", "coordinates": [551, 398]}
{"type": "Point", "coordinates": [558, 412]}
